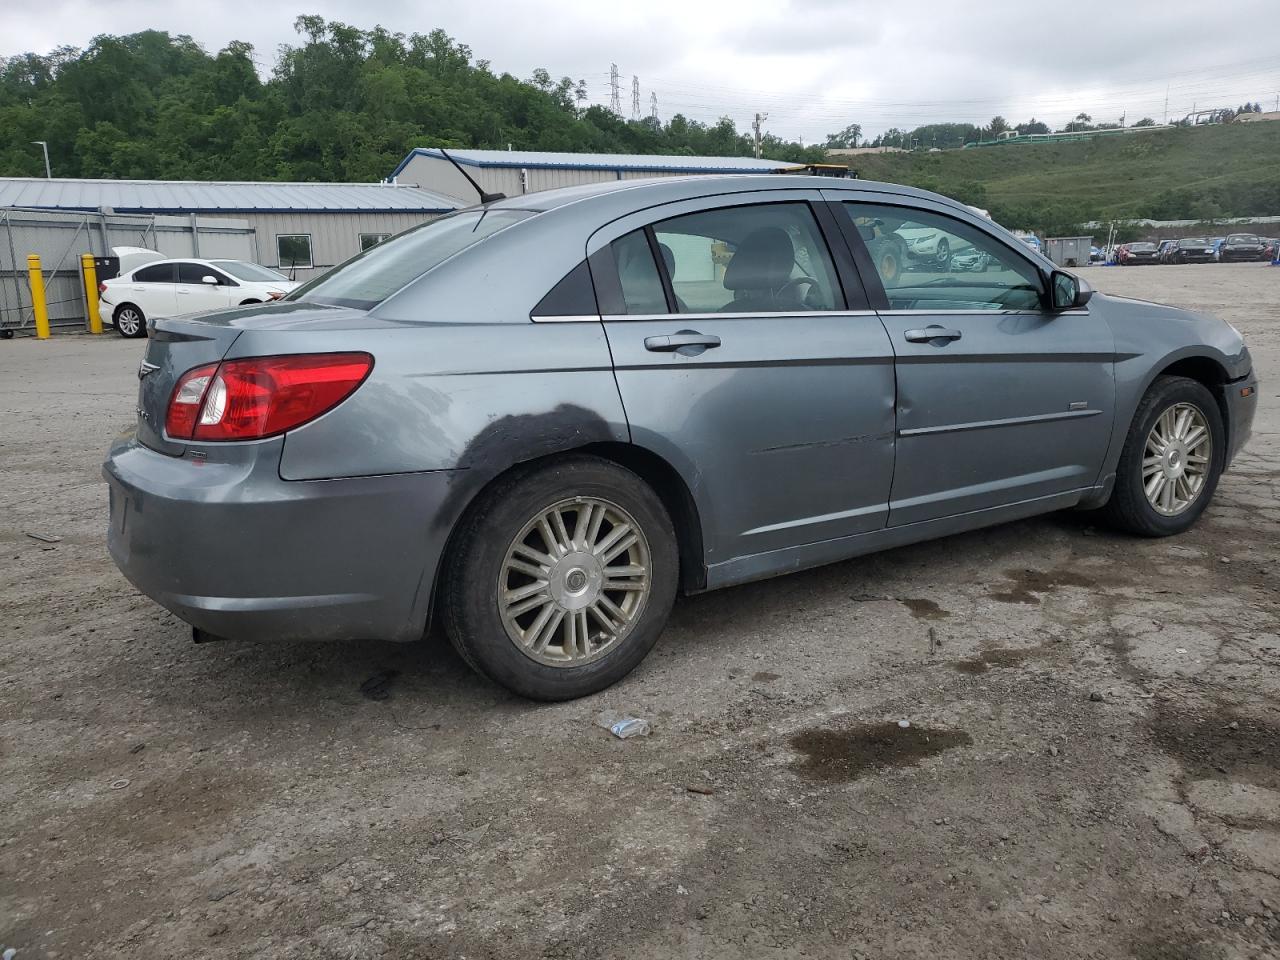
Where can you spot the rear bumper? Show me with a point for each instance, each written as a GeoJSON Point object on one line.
{"type": "Point", "coordinates": [1240, 411]}
{"type": "Point", "coordinates": [237, 552]}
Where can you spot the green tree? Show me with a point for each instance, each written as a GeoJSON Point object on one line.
{"type": "Point", "coordinates": [846, 138]}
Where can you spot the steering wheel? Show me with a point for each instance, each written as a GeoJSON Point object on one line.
{"type": "Point", "coordinates": [793, 284]}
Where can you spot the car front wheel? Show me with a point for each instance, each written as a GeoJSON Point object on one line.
{"type": "Point", "coordinates": [562, 578]}
{"type": "Point", "coordinates": [130, 321]}
{"type": "Point", "coordinates": [1171, 461]}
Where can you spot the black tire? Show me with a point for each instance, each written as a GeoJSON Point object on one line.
{"type": "Point", "coordinates": [469, 589]}
{"type": "Point", "coordinates": [1128, 509]}
{"type": "Point", "coordinates": [944, 256]}
{"type": "Point", "coordinates": [6, 334]}
{"type": "Point", "coordinates": [129, 321]}
{"type": "Point", "coordinates": [245, 303]}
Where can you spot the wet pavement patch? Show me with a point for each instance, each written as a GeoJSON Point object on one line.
{"type": "Point", "coordinates": [923, 609]}
{"type": "Point", "coordinates": [996, 658]}
{"type": "Point", "coordinates": [838, 756]}
{"type": "Point", "coordinates": [1027, 585]}
{"type": "Point", "coordinates": [1209, 748]}
{"type": "Point", "coordinates": [765, 677]}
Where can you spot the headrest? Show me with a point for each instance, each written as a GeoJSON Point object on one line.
{"type": "Point", "coordinates": [763, 261]}
{"type": "Point", "coordinates": [668, 257]}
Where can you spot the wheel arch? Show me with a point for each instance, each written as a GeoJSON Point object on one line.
{"type": "Point", "coordinates": [661, 477]}
{"type": "Point", "coordinates": [1204, 370]}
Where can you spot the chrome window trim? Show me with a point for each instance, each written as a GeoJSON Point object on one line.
{"type": "Point", "coordinates": [978, 313]}
{"type": "Point", "coordinates": [625, 317]}
{"type": "Point", "coordinates": [771, 315]}
{"type": "Point", "coordinates": [579, 318]}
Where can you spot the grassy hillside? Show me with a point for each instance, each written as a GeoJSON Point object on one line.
{"type": "Point", "coordinates": [1199, 172]}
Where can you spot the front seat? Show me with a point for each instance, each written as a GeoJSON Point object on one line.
{"type": "Point", "coordinates": [760, 268]}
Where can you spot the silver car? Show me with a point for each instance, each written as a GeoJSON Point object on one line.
{"type": "Point", "coordinates": [540, 419]}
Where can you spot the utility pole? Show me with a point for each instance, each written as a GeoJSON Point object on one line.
{"type": "Point", "coordinates": [615, 90]}
{"type": "Point", "coordinates": [635, 97]}
{"type": "Point", "coordinates": [755, 126]}
{"type": "Point", "coordinates": [653, 105]}
{"type": "Point", "coordinates": [1166, 104]}
{"type": "Point", "coordinates": [44, 145]}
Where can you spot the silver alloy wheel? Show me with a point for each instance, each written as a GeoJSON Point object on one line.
{"type": "Point", "coordinates": [128, 321]}
{"type": "Point", "coordinates": [574, 581]}
{"type": "Point", "coordinates": [1175, 463]}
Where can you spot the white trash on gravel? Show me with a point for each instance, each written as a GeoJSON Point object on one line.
{"type": "Point", "coordinates": [623, 726]}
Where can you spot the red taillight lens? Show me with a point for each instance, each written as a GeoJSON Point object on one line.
{"type": "Point", "coordinates": [102, 287]}
{"type": "Point", "coordinates": [261, 396]}
{"type": "Point", "coordinates": [184, 405]}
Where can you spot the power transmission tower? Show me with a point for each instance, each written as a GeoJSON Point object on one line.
{"type": "Point", "coordinates": [653, 105]}
{"type": "Point", "coordinates": [635, 98]}
{"type": "Point", "coordinates": [615, 90]}
{"type": "Point", "coordinates": [755, 126]}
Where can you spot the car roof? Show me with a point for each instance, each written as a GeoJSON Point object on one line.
{"type": "Point", "coordinates": [651, 191]}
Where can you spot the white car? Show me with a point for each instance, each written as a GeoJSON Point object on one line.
{"type": "Point", "coordinates": [170, 288]}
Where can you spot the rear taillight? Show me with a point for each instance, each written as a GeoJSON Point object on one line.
{"type": "Point", "coordinates": [261, 396]}
{"type": "Point", "coordinates": [102, 286]}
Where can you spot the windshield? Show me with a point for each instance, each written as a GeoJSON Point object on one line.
{"type": "Point", "coordinates": [1240, 238]}
{"type": "Point", "coordinates": [251, 272]}
{"type": "Point", "coordinates": [366, 280]}
{"type": "Point", "coordinates": [1142, 246]}
{"type": "Point", "coordinates": [1193, 243]}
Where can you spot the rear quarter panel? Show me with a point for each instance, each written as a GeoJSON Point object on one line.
{"type": "Point", "coordinates": [474, 397]}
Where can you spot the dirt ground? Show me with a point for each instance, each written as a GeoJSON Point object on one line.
{"type": "Point", "coordinates": [1092, 770]}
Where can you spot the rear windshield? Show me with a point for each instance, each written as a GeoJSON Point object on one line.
{"type": "Point", "coordinates": [366, 280]}
{"type": "Point", "coordinates": [1242, 238]}
{"type": "Point", "coordinates": [1193, 243]}
{"type": "Point", "coordinates": [1142, 246]}
{"type": "Point", "coordinates": [243, 270]}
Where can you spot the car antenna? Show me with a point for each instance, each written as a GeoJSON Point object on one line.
{"type": "Point", "coordinates": [484, 197]}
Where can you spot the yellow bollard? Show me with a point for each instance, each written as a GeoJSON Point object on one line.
{"type": "Point", "coordinates": [38, 305]}
{"type": "Point", "coordinates": [90, 272]}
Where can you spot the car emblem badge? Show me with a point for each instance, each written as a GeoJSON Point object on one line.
{"type": "Point", "coordinates": [145, 368]}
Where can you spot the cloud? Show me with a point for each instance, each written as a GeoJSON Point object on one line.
{"type": "Point", "coordinates": [812, 65]}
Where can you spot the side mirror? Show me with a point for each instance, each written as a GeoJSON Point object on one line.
{"type": "Point", "coordinates": [209, 279]}
{"type": "Point", "coordinates": [1068, 291]}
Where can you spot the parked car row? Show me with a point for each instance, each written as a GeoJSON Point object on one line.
{"type": "Point", "coordinates": [1236, 248]}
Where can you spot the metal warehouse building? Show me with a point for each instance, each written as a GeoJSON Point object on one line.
{"type": "Point", "coordinates": [514, 172]}
{"type": "Point", "coordinates": [299, 228]}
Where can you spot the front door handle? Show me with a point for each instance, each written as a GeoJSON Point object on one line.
{"type": "Point", "coordinates": [932, 332]}
{"type": "Point", "coordinates": [677, 341]}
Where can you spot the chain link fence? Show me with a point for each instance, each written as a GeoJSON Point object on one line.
{"type": "Point", "coordinates": [60, 237]}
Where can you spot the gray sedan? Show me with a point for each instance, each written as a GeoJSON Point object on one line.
{"type": "Point", "coordinates": [539, 419]}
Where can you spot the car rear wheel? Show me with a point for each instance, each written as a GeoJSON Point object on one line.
{"type": "Point", "coordinates": [130, 321]}
{"type": "Point", "coordinates": [562, 578]}
{"type": "Point", "coordinates": [1171, 461]}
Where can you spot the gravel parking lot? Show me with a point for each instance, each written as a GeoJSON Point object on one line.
{"type": "Point", "coordinates": [1092, 770]}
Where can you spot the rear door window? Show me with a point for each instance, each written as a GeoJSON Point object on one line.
{"type": "Point", "coordinates": [766, 258]}
{"type": "Point", "coordinates": [159, 273]}
{"type": "Point", "coordinates": [642, 291]}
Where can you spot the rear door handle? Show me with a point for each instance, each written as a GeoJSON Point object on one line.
{"type": "Point", "coordinates": [675, 341]}
{"type": "Point", "coordinates": [932, 332]}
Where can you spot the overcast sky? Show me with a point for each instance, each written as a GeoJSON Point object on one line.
{"type": "Point", "coordinates": [812, 65]}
